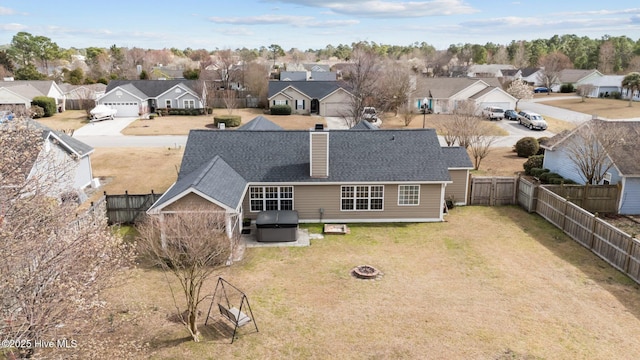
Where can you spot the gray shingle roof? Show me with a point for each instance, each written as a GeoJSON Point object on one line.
{"type": "Point", "coordinates": [260, 123]}
{"type": "Point", "coordinates": [215, 178]}
{"type": "Point", "coordinates": [42, 86]}
{"type": "Point", "coordinates": [69, 144]}
{"type": "Point", "coordinates": [364, 125]}
{"type": "Point", "coordinates": [153, 88]}
{"type": "Point", "coordinates": [313, 89]}
{"type": "Point", "coordinates": [457, 157]}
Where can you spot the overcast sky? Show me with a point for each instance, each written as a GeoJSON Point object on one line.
{"type": "Point", "coordinates": [311, 24]}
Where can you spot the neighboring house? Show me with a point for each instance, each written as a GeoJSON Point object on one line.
{"type": "Point", "coordinates": [341, 176]}
{"type": "Point", "coordinates": [604, 85]}
{"type": "Point", "coordinates": [575, 77]}
{"type": "Point", "coordinates": [138, 97]}
{"type": "Point", "coordinates": [324, 98]}
{"type": "Point", "coordinates": [21, 92]}
{"type": "Point", "coordinates": [63, 160]}
{"type": "Point", "coordinates": [626, 162]}
{"type": "Point", "coordinates": [488, 70]}
{"type": "Point", "coordinates": [308, 72]}
{"type": "Point", "coordinates": [531, 75]}
{"type": "Point", "coordinates": [444, 94]}
{"type": "Point", "coordinates": [509, 75]}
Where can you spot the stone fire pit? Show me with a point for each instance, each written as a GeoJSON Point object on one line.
{"type": "Point", "coordinates": [365, 272]}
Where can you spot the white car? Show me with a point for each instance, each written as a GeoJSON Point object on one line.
{"type": "Point", "coordinates": [369, 113]}
{"type": "Point", "coordinates": [493, 113]}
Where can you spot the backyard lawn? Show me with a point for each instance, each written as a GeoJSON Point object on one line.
{"type": "Point", "coordinates": [489, 283]}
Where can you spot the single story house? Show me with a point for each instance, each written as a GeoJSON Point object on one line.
{"type": "Point", "coordinates": [604, 85]}
{"type": "Point", "coordinates": [443, 94]}
{"type": "Point", "coordinates": [342, 176]}
{"type": "Point", "coordinates": [575, 77]}
{"type": "Point", "coordinates": [75, 94]}
{"type": "Point", "coordinates": [625, 158]}
{"type": "Point", "coordinates": [531, 75]}
{"type": "Point", "coordinates": [488, 70]}
{"type": "Point", "coordinates": [20, 93]}
{"type": "Point", "coordinates": [137, 97]}
{"type": "Point", "coordinates": [324, 98]}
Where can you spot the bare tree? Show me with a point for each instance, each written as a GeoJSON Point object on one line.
{"type": "Point", "coordinates": [606, 57]}
{"type": "Point", "coordinates": [407, 116]}
{"type": "Point", "coordinates": [394, 86]}
{"type": "Point", "coordinates": [223, 65]}
{"type": "Point", "coordinates": [56, 265]}
{"type": "Point", "coordinates": [191, 246]}
{"type": "Point", "coordinates": [520, 57]}
{"type": "Point", "coordinates": [552, 64]}
{"type": "Point", "coordinates": [361, 79]}
{"type": "Point", "coordinates": [585, 90]}
{"type": "Point", "coordinates": [590, 145]}
{"type": "Point", "coordinates": [462, 125]}
{"type": "Point", "coordinates": [480, 143]}
{"type": "Point", "coordinates": [230, 99]}
{"type": "Point", "coordinates": [520, 90]}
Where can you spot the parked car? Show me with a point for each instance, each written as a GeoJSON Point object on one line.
{"type": "Point", "coordinates": [511, 114]}
{"type": "Point", "coordinates": [532, 120]}
{"type": "Point", "coordinates": [493, 113]}
{"type": "Point", "coordinates": [541, 89]}
{"type": "Point", "coordinates": [369, 113]}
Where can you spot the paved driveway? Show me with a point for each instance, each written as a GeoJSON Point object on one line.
{"type": "Point", "coordinates": [555, 112]}
{"type": "Point", "coordinates": [105, 128]}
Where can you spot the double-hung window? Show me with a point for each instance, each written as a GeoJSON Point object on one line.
{"type": "Point", "coordinates": [264, 198]}
{"type": "Point", "coordinates": [189, 104]}
{"type": "Point", "coordinates": [361, 197]}
{"type": "Point", "coordinates": [408, 195]}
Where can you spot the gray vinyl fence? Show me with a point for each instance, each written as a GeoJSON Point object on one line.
{"type": "Point", "coordinates": [127, 208]}
{"type": "Point", "coordinates": [561, 206]}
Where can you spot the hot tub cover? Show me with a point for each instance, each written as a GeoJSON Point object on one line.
{"type": "Point", "coordinates": [277, 219]}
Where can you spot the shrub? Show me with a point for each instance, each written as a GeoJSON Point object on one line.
{"type": "Point", "coordinates": [616, 95]}
{"type": "Point", "coordinates": [152, 116]}
{"type": "Point", "coordinates": [548, 177]}
{"type": "Point", "coordinates": [280, 110]}
{"type": "Point", "coordinates": [527, 146]}
{"type": "Point", "coordinates": [534, 161]}
{"type": "Point", "coordinates": [46, 103]}
{"type": "Point", "coordinates": [541, 140]}
{"type": "Point", "coordinates": [567, 88]}
{"type": "Point", "coordinates": [538, 171]}
{"type": "Point", "coordinates": [37, 112]}
{"type": "Point", "coordinates": [227, 120]}
{"type": "Point", "coordinates": [569, 182]}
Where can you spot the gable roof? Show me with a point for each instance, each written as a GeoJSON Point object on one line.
{"type": "Point", "coordinates": [260, 123]}
{"type": "Point", "coordinates": [575, 75]}
{"type": "Point", "coordinates": [624, 157]}
{"type": "Point", "coordinates": [313, 89]}
{"type": "Point", "coordinates": [152, 88]}
{"type": "Point", "coordinates": [214, 179]}
{"type": "Point", "coordinates": [446, 87]}
{"type": "Point", "coordinates": [42, 86]}
{"type": "Point", "coordinates": [67, 143]}
{"type": "Point", "coordinates": [528, 71]}
{"type": "Point", "coordinates": [456, 157]}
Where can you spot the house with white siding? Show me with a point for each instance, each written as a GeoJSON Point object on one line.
{"type": "Point", "coordinates": [624, 159]}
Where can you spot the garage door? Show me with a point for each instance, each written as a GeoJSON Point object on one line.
{"type": "Point", "coordinates": [333, 109]}
{"type": "Point", "coordinates": [504, 105]}
{"type": "Point", "coordinates": [125, 109]}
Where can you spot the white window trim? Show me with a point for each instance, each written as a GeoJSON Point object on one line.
{"type": "Point", "coordinates": [280, 102]}
{"type": "Point", "coordinates": [400, 188]}
{"type": "Point", "coordinates": [264, 199]}
{"type": "Point", "coordinates": [189, 104]}
{"type": "Point", "coordinates": [355, 197]}
{"type": "Point", "coordinates": [168, 103]}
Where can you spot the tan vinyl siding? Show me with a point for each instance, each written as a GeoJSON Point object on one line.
{"type": "Point", "coordinates": [457, 190]}
{"type": "Point", "coordinates": [308, 199]}
{"type": "Point", "coordinates": [319, 154]}
{"type": "Point", "coordinates": [192, 201]}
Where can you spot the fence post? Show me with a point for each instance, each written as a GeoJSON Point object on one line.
{"type": "Point", "coordinates": [627, 260]}
{"type": "Point", "coordinates": [564, 213]}
{"type": "Point", "coordinates": [126, 194]}
{"type": "Point", "coordinates": [593, 231]}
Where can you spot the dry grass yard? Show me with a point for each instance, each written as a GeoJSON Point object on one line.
{"type": "Point", "coordinates": [431, 121]}
{"type": "Point", "coordinates": [68, 120]}
{"type": "Point", "coordinates": [512, 288]}
{"type": "Point", "coordinates": [180, 125]}
{"type": "Point", "coordinates": [608, 108]}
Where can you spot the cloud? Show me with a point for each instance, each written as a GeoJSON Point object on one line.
{"type": "Point", "coordinates": [6, 11]}
{"type": "Point", "coordinates": [389, 9]}
{"type": "Point", "coordinates": [600, 12]}
{"type": "Point", "coordinates": [297, 21]}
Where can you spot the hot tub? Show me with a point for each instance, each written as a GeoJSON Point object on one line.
{"type": "Point", "coordinates": [277, 226]}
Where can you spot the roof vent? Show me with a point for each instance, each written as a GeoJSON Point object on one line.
{"type": "Point", "coordinates": [319, 127]}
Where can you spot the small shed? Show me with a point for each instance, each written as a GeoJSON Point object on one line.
{"type": "Point", "coordinates": [277, 226]}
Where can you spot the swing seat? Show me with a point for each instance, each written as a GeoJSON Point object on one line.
{"type": "Point", "coordinates": [237, 317]}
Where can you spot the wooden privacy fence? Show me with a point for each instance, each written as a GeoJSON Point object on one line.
{"type": "Point", "coordinates": [600, 198]}
{"type": "Point", "coordinates": [127, 208]}
{"type": "Point", "coordinates": [493, 190]}
{"type": "Point", "coordinates": [611, 244]}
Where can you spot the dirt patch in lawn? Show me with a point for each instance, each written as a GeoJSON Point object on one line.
{"type": "Point", "coordinates": [608, 108]}
{"type": "Point", "coordinates": [501, 161]}
{"type": "Point", "coordinates": [489, 283]}
{"type": "Point", "coordinates": [180, 125]}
